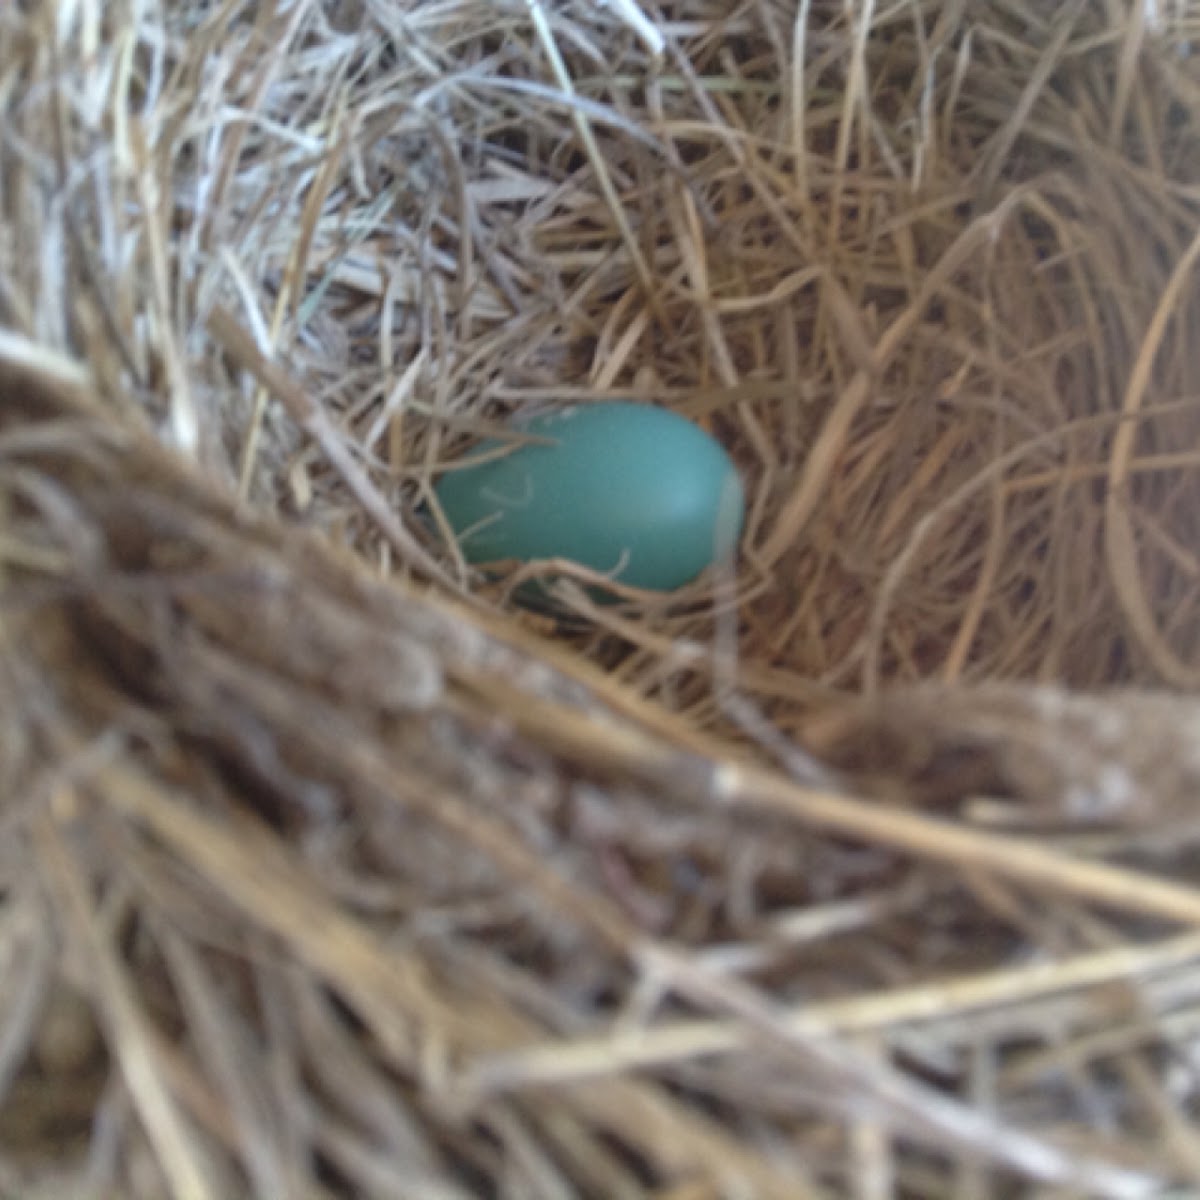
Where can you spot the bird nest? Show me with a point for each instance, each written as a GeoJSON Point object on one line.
{"type": "Point", "coordinates": [863, 866]}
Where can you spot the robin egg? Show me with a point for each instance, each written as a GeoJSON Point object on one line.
{"type": "Point", "coordinates": [631, 491]}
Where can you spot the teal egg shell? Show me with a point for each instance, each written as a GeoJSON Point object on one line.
{"type": "Point", "coordinates": [622, 485]}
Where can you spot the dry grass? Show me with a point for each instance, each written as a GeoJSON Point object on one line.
{"type": "Point", "coordinates": [328, 873]}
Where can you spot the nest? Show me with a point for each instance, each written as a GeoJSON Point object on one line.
{"type": "Point", "coordinates": [864, 868]}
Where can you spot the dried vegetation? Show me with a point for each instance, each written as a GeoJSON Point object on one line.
{"type": "Point", "coordinates": [865, 869]}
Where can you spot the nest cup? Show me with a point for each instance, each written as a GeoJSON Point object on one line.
{"type": "Point", "coordinates": [861, 866]}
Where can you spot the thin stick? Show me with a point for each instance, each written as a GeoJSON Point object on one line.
{"type": "Point", "coordinates": [674, 1042]}
{"type": "Point", "coordinates": [744, 786]}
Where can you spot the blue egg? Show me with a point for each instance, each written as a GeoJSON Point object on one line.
{"type": "Point", "coordinates": [638, 493]}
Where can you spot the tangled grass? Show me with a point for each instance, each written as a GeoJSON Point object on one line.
{"type": "Point", "coordinates": [330, 872]}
